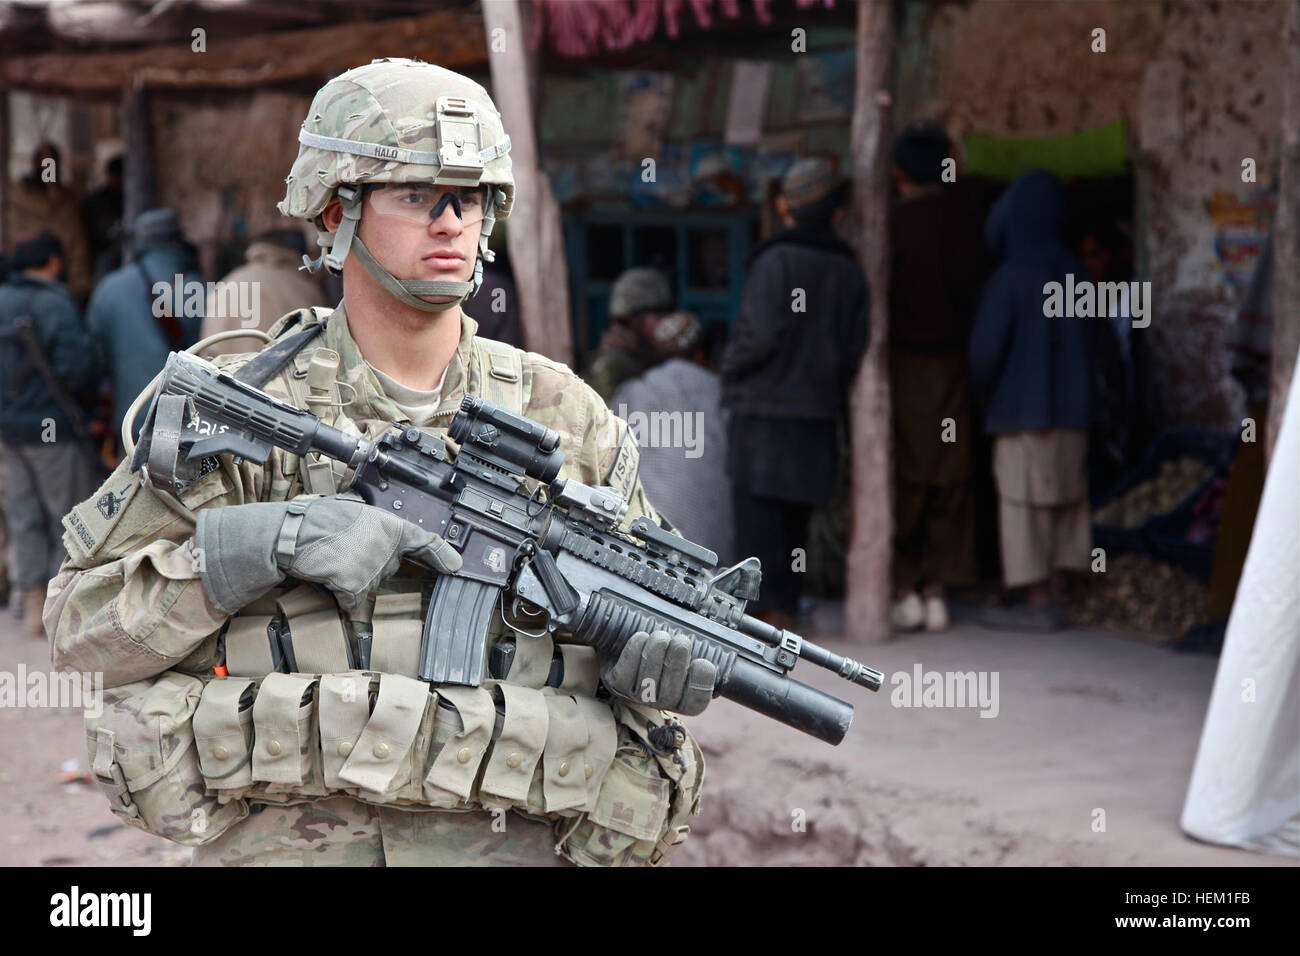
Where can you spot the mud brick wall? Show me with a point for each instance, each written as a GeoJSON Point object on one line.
{"type": "Point", "coordinates": [222, 161]}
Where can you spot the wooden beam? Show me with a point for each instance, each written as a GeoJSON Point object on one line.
{"type": "Point", "coordinates": [450, 38]}
{"type": "Point", "coordinates": [870, 551]}
{"type": "Point", "coordinates": [1286, 234]}
{"type": "Point", "coordinates": [534, 235]}
{"type": "Point", "coordinates": [4, 176]}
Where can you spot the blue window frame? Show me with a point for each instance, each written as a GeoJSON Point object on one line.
{"type": "Point", "coordinates": [702, 252]}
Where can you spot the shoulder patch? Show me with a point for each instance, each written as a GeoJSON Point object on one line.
{"type": "Point", "coordinates": [622, 473]}
{"type": "Point", "coordinates": [90, 522]}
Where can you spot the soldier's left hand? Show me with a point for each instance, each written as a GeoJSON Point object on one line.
{"type": "Point", "coordinates": [657, 670]}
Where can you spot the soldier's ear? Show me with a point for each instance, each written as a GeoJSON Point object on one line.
{"type": "Point", "coordinates": [332, 214]}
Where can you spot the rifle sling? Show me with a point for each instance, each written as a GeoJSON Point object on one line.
{"type": "Point", "coordinates": [14, 387]}
{"type": "Point", "coordinates": [168, 324]}
{"type": "Point", "coordinates": [40, 362]}
{"type": "Point", "coordinates": [267, 363]}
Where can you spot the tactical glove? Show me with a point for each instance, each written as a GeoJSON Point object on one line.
{"type": "Point", "coordinates": [657, 670]}
{"type": "Point", "coordinates": [338, 541]}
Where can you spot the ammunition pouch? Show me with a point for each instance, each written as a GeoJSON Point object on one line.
{"type": "Point", "coordinates": [550, 754]}
{"type": "Point", "coordinates": [144, 757]}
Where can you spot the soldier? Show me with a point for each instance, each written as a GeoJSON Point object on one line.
{"type": "Point", "coordinates": [640, 297]}
{"type": "Point", "coordinates": [403, 167]}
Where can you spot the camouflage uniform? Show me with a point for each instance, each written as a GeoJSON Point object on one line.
{"type": "Point", "coordinates": [130, 604]}
{"type": "Point", "coordinates": [636, 291]}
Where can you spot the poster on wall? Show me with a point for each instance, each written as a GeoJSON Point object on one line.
{"type": "Point", "coordinates": [670, 185]}
{"type": "Point", "coordinates": [826, 86]}
{"type": "Point", "coordinates": [646, 103]}
{"type": "Point", "coordinates": [1241, 225]}
{"type": "Point", "coordinates": [719, 173]}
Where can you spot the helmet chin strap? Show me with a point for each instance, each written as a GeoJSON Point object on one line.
{"type": "Point", "coordinates": [408, 291]}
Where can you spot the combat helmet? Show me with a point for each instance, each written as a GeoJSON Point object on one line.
{"type": "Point", "coordinates": [398, 121]}
{"type": "Point", "coordinates": [639, 289]}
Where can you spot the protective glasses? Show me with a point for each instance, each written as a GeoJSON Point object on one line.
{"type": "Point", "coordinates": [423, 202]}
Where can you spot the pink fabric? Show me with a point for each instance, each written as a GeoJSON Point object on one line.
{"type": "Point", "coordinates": [579, 28]}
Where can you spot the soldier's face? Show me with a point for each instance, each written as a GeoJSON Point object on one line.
{"type": "Point", "coordinates": [438, 245]}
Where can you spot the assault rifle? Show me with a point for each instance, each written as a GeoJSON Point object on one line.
{"type": "Point", "coordinates": [557, 551]}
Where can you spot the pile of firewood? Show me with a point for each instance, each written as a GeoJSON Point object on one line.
{"type": "Point", "coordinates": [1138, 595]}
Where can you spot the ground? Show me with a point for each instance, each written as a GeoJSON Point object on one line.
{"type": "Point", "coordinates": [1085, 763]}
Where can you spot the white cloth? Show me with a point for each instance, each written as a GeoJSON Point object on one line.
{"type": "Point", "coordinates": [674, 411]}
{"type": "Point", "coordinates": [1245, 787]}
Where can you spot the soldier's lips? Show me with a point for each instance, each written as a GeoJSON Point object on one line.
{"type": "Point", "coordinates": [445, 261]}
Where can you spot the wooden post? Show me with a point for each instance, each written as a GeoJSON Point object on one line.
{"type": "Point", "coordinates": [1286, 234]}
{"type": "Point", "coordinates": [866, 612]}
{"type": "Point", "coordinates": [138, 175]}
{"type": "Point", "coordinates": [534, 235]}
{"type": "Point", "coordinates": [4, 174]}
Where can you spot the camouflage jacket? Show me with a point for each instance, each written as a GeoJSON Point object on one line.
{"type": "Point", "coordinates": [129, 604]}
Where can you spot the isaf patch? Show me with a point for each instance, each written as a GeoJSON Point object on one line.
{"type": "Point", "coordinates": [622, 473]}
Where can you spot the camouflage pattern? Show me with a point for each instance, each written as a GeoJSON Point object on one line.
{"type": "Point", "coordinates": [339, 831]}
{"type": "Point", "coordinates": [643, 793]}
{"type": "Point", "coordinates": [389, 102]}
{"type": "Point", "coordinates": [639, 290]}
{"type": "Point", "coordinates": [141, 752]}
{"type": "Point", "coordinates": [129, 601]}
{"type": "Point", "coordinates": [609, 369]}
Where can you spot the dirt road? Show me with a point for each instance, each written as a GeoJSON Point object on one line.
{"type": "Point", "coordinates": [1086, 762]}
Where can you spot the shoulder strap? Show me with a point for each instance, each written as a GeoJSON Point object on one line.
{"type": "Point", "coordinates": [498, 374]}
{"type": "Point", "coordinates": [167, 323]}
{"type": "Point", "coordinates": [263, 367]}
{"type": "Point", "coordinates": [22, 373]}
{"type": "Point", "coordinates": [284, 323]}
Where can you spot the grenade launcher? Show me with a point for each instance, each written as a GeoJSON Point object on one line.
{"type": "Point", "coordinates": [557, 551]}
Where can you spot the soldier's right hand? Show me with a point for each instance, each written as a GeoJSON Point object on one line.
{"type": "Point", "coordinates": [338, 541]}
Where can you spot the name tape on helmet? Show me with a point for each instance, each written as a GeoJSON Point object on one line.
{"type": "Point", "coordinates": [397, 154]}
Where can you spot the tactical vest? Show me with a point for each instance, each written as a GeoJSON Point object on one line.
{"type": "Point", "coordinates": [618, 781]}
